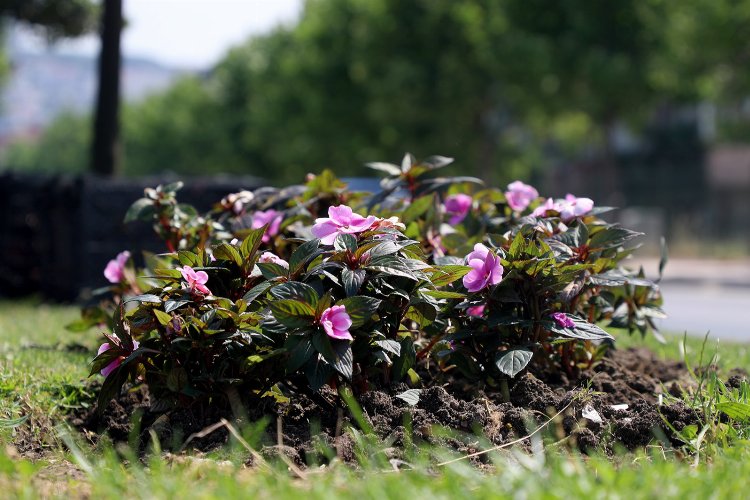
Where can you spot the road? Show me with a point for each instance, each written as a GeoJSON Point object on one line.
{"type": "Point", "coordinates": [705, 296]}
{"type": "Point", "coordinates": [724, 311]}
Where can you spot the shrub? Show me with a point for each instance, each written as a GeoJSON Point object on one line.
{"type": "Point", "coordinates": [267, 296]}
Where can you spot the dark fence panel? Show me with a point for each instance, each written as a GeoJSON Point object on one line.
{"type": "Point", "coordinates": [58, 232]}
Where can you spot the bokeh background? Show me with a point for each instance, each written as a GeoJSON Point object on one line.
{"type": "Point", "coordinates": [639, 104]}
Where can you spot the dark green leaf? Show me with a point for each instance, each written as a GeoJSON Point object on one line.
{"type": "Point", "coordinates": [293, 313]}
{"type": "Point", "coordinates": [252, 242]}
{"type": "Point", "coordinates": [269, 270]}
{"type": "Point", "coordinates": [352, 280]}
{"type": "Point", "coordinates": [442, 294]}
{"type": "Point", "coordinates": [583, 329]}
{"type": "Point", "coordinates": [300, 354]}
{"type": "Point", "coordinates": [512, 361]}
{"type": "Point", "coordinates": [170, 305]}
{"type": "Point", "coordinates": [345, 242]}
{"type": "Point", "coordinates": [257, 291]}
{"type": "Point", "coordinates": [389, 345]}
{"type": "Point", "coordinates": [405, 360]}
{"type": "Point", "coordinates": [318, 372]}
{"type": "Point", "coordinates": [360, 309]}
{"type": "Point", "coordinates": [296, 290]}
{"type": "Point", "coordinates": [612, 237]}
{"type": "Point", "coordinates": [146, 297]}
{"type": "Point", "coordinates": [225, 251]}
{"type": "Point", "coordinates": [303, 254]}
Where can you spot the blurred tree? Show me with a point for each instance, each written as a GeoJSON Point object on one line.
{"type": "Point", "coordinates": [499, 84]}
{"type": "Point", "coordinates": [55, 18]}
{"type": "Point", "coordinates": [63, 147]}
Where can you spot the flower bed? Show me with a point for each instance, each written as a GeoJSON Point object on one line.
{"type": "Point", "coordinates": [316, 291]}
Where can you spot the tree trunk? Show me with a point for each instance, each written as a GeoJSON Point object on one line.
{"type": "Point", "coordinates": [105, 150]}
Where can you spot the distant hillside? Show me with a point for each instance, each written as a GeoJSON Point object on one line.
{"type": "Point", "coordinates": [42, 85]}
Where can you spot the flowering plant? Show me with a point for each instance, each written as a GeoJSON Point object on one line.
{"type": "Point", "coordinates": [268, 295]}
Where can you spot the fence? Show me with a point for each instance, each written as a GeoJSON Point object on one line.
{"type": "Point", "coordinates": [58, 232]}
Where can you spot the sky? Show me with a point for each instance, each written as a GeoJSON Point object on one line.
{"type": "Point", "coordinates": [190, 34]}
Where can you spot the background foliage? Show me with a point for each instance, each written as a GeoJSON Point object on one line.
{"type": "Point", "coordinates": [500, 84]}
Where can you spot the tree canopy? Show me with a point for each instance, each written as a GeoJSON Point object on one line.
{"type": "Point", "coordinates": [494, 83]}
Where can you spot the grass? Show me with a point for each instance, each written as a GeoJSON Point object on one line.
{"type": "Point", "coordinates": [43, 370]}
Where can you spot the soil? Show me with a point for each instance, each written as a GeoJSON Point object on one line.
{"type": "Point", "coordinates": [622, 402]}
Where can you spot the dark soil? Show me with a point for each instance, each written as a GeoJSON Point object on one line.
{"type": "Point", "coordinates": [590, 420]}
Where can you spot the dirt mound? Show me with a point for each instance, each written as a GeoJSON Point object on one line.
{"type": "Point", "coordinates": [614, 404]}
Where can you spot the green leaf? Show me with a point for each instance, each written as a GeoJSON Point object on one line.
{"type": "Point", "coordinates": [303, 254]}
{"type": "Point", "coordinates": [257, 291]}
{"type": "Point", "coordinates": [391, 265]}
{"type": "Point", "coordinates": [225, 251]}
{"type": "Point", "coordinates": [270, 271]}
{"type": "Point", "coordinates": [445, 275]}
{"type": "Point", "coordinates": [146, 297]}
{"type": "Point", "coordinates": [177, 379]}
{"type": "Point", "coordinates": [318, 371]}
{"type": "Point", "coordinates": [389, 345]}
{"type": "Point", "coordinates": [512, 361]}
{"type": "Point", "coordinates": [612, 237]}
{"type": "Point", "coordinates": [170, 305]}
{"type": "Point", "coordinates": [300, 354]}
{"type": "Point", "coordinates": [296, 290]}
{"type": "Point", "coordinates": [410, 396]}
{"type": "Point", "coordinates": [405, 360]}
{"type": "Point", "coordinates": [293, 313]}
{"type": "Point", "coordinates": [360, 309]}
{"type": "Point", "coordinates": [389, 247]}
{"type": "Point", "coordinates": [344, 242]}
{"type": "Point", "coordinates": [442, 294]}
{"type": "Point", "coordinates": [735, 410]}
{"type": "Point", "coordinates": [252, 242]}
{"type": "Point", "coordinates": [162, 317]}
{"type": "Point", "coordinates": [142, 209]}
{"type": "Point", "coordinates": [417, 208]}
{"type": "Point", "coordinates": [517, 246]}
{"type": "Point", "coordinates": [583, 330]}
{"type": "Point", "coordinates": [344, 363]}
{"type": "Point", "coordinates": [352, 280]}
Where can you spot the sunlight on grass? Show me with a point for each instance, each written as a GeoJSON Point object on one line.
{"type": "Point", "coordinates": [43, 369]}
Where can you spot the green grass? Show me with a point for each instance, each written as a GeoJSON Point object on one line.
{"type": "Point", "coordinates": [41, 376]}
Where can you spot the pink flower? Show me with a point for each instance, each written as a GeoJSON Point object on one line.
{"type": "Point", "coordinates": [574, 207]}
{"type": "Point", "coordinates": [475, 311]}
{"type": "Point", "coordinates": [563, 320]}
{"type": "Point", "coordinates": [457, 206]}
{"type": "Point", "coordinates": [270, 217]}
{"type": "Point", "coordinates": [196, 280]}
{"type": "Point", "coordinates": [270, 258]}
{"type": "Point", "coordinates": [486, 269]}
{"type": "Point", "coordinates": [340, 220]}
{"type": "Point", "coordinates": [336, 322]}
{"type": "Point", "coordinates": [115, 270]}
{"type": "Point", "coordinates": [520, 195]}
{"type": "Point", "coordinates": [548, 206]}
{"type": "Point", "coordinates": [115, 362]}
